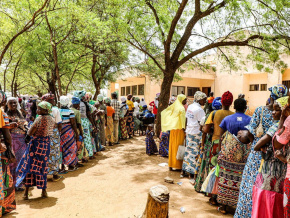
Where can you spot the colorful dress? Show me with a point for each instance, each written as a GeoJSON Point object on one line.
{"type": "Point", "coordinates": [151, 147]}
{"type": "Point", "coordinates": [244, 206]}
{"type": "Point", "coordinates": [110, 125]}
{"type": "Point", "coordinates": [33, 167]}
{"type": "Point", "coordinates": [231, 161]}
{"type": "Point", "coordinates": [123, 127]}
{"type": "Point", "coordinates": [29, 110]}
{"type": "Point", "coordinates": [164, 144]}
{"type": "Point", "coordinates": [67, 138]}
{"type": "Point", "coordinates": [130, 118]}
{"type": "Point", "coordinates": [102, 124]}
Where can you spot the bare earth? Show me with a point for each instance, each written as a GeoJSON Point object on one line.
{"type": "Point", "coordinates": [115, 185]}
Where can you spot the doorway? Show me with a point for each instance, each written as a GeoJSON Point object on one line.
{"type": "Point", "coordinates": [206, 90]}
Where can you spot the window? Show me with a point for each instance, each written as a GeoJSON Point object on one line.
{"type": "Point", "coordinates": [123, 91]}
{"type": "Point", "coordinates": [176, 90]}
{"type": "Point", "coordinates": [128, 90]}
{"type": "Point", "coordinates": [263, 87]}
{"type": "Point", "coordinates": [191, 91]}
{"type": "Point", "coordinates": [140, 89]}
{"type": "Point", "coordinates": [134, 90]}
{"type": "Point", "coordinates": [254, 87]}
{"type": "Point", "coordinates": [286, 83]}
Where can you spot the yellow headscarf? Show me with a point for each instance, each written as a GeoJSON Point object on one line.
{"type": "Point", "coordinates": [173, 117]}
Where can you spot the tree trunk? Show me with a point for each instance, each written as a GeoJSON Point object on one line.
{"type": "Point", "coordinates": [97, 82]}
{"type": "Point", "coordinates": [15, 89]}
{"type": "Point", "coordinates": [164, 96]}
{"type": "Point", "coordinates": [55, 58]}
{"type": "Point", "coordinates": [157, 202]}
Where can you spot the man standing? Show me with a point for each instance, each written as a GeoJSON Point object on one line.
{"type": "Point", "coordinates": [102, 107]}
{"type": "Point", "coordinates": [55, 154]}
{"type": "Point", "coordinates": [116, 105]}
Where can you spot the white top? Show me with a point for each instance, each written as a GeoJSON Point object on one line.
{"type": "Point", "coordinates": [56, 115]}
{"type": "Point", "coordinates": [194, 115]}
{"type": "Point", "coordinates": [137, 109]}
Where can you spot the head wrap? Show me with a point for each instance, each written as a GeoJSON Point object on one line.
{"type": "Point", "coordinates": [64, 100]}
{"type": "Point", "coordinates": [173, 117]}
{"type": "Point", "coordinates": [75, 100]}
{"type": "Point", "coordinates": [92, 102]}
{"type": "Point", "coordinates": [123, 99]}
{"type": "Point", "coordinates": [107, 100]}
{"type": "Point", "coordinates": [142, 103]}
{"type": "Point", "coordinates": [137, 98]}
{"type": "Point", "coordinates": [217, 104]}
{"type": "Point", "coordinates": [278, 91]}
{"type": "Point", "coordinates": [144, 106]}
{"type": "Point", "coordinates": [20, 100]}
{"type": "Point", "coordinates": [150, 108]}
{"type": "Point", "coordinates": [157, 95]}
{"type": "Point", "coordinates": [199, 96]}
{"type": "Point", "coordinates": [47, 97]}
{"type": "Point", "coordinates": [45, 105]}
{"type": "Point", "coordinates": [172, 99]}
{"type": "Point", "coordinates": [115, 93]}
{"type": "Point", "coordinates": [14, 99]}
{"type": "Point", "coordinates": [227, 98]}
{"type": "Point", "coordinates": [79, 94]}
{"type": "Point", "coordinates": [100, 97]}
{"type": "Point", "coordinates": [3, 96]}
{"type": "Point", "coordinates": [282, 102]}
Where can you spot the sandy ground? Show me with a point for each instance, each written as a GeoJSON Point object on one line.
{"type": "Point", "coordinates": [115, 185]}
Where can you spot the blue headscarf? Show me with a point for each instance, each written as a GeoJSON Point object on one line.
{"type": "Point", "coordinates": [217, 103]}
{"type": "Point", "coordinates": [79, 94]}
{"type": "Point", "coordinates": [278, 91]}
{"type": "Point", "coordinates": [75, 100]}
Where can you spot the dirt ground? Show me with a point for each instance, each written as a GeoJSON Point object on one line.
{"type": "Point", "coordinates": [115, 185]}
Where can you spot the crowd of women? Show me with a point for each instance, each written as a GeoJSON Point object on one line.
{"type": "Point", "coordinates": [43, 137]}
{"type": "Point", "coordinates": [239, 162]}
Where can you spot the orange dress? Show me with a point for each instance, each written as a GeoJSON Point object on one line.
{"type": "Point", "coordinates": [177, 137]}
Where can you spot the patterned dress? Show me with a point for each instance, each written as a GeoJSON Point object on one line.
{"type": "Point", "coordinates": [244, 206]}
{"type": "Point", "coordinates": [164, 144]}
{"type": "Point", "coordinates": [130, 123]}
{"type": "Point", "coordinates": [151, 147]}
{"type": "Point", "coordinates": [193, 154]}
{"type": "Point", "coordinates": [33, 167]}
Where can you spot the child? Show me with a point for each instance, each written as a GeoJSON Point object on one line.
{"type": "Point", "coordinates": [164, 144]}
{"type": "Point", "coordinates": [31, 120]}
{"type": "Point", "coordinates": [151, 147]}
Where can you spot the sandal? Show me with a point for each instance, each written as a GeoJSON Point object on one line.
{"type": "Point", "coordinates": [212, 201]}
{"type": "Point", "coordinates": [57, 179]}
{"type": "Point", "coordinates": [26, 197]}
{"type": "Point", "coordinates": [223, 211]}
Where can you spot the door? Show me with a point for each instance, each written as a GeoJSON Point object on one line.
{"type": "Point", "coordinates": [206, 90]}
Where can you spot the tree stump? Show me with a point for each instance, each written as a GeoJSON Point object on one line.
{"type": "Point", "coordinates": [157, 202]}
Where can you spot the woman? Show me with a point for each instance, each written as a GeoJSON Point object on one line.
{"type": "Point", "coordinates": [173, 120]}
{"type": "Point", "coordinates": [193, 152]}
{"type": "Point", "coordinates": [109, 122]}
{"type": "Point", "coordinates": [123, 111]}
{"type": "Point", "coordinates": [87, 120]}
{"type": "Point", "coordinates": [28, 109]}
{"type": "Point", "coordinates": [268, 187]}
{"type": "Point", "coordinates": [264, 116]}
{"type": "Point", "coordinates": [151, 147]}
{"type": "Point", "coordinates": [69, 136]}
{"type": "Point", "coordinates": [164, 144]}
{"type": "Point", "coordinates": [129, 116]}
{"type": "Point", "coordinates": [34, 163]}
{"type": "Point", "coordinates": [7, 190]}
{"type": "Point", "coordinates": [18, 134]}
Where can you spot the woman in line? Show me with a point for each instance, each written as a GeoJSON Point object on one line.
{"type": "Point", "coordinates": [206, 166]}
{"type": "Point", "coordinates": [28, 109]}
{"type": "Point", "coordinates": [102, 106]}
{"type": "Point", "coordinates": [109, 122]}
{"type": "Point", "coordinates": [69, 135]}
{"type": "Point", "coordinates": [7, 190]}
{"type": "Point", "coordinates": [151, 147]}
{"type": "Point", "coordinates": [123, 111]}
{"type": "Point", "coordinates": [164, 144]}
{"type": "Point", "coordinates": [268, 188]}
{"type": "Point", "coordinates": [129, 116]}
{"type": "Point", "coordinates": [17, 134]}
{"type": "Point", "coordinates": [233, 155]}
{"type": "Point", "coordinates": [173, 120]}
{"type": "Point", "coordinates": [193, 152]}
{"type": "Point", "coordinates": [262, 117]}
{"type": "Point", "coordinates": [33, 167]}
{"type": "Point", "coordinates": [87, 120]}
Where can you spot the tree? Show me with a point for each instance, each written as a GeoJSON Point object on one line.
{"type": "Point", "coordinates": [183, 30]}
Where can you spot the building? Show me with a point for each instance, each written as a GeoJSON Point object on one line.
{"type": "Point", "coordinates": [252, 83]}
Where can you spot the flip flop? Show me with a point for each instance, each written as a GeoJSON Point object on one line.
{"type": "Point", "coordinates": [59, 178]}
{"type": "Point", "coordinates": [222, 211]}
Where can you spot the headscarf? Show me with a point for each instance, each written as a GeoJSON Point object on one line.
{"type": "Point", "coordinates": [14, 99]}
{"type": "Point", "coordinates": [278, 91]}
{"type": "Point", "coordinates": [199, 96]}
{"type": "Point", "coordinates": [64, 100]}
{"type": "Point", "coordinates": [227, 98]}
{"type": "Point", "coordinates": [100, 97]}
{"type": "Point", "coordinates": [137, 98]}
{"type": "Point", "coordinates": [20, 100]}
{"type": "Point", "coordinates": [282, 102]}
{"type": "Point", "coordinates": [173, 117]}
{"type": "Point", "coordinates": [47, 97]}
{"type": "Point", "coordinates": [3, 96]}
{"type": "Point", "coordinates": [107, 100]}
{"type": "Point", "coordinates": [115, 93]}
{"type": "Point", "coordinates": [172, 99]}
{"type": "Point", "coordinates": [123, 99]}
{"type": "Point", "coordinates": [157, 95]}
{"type": "Point", "coordinates": [142, 102]}
{"type": "Point", "coordinates": [144, 107]}
{"type": "Point", "coordinates": [150, 108]}
{"type": "Point", "coordinates": [156, 102]}
{"type": "Point", "coordinates": [217, 104]}
{"type": "Point", "coordinates": [45, 105]}
{"type": "Point", "coordinates": [79, 94]}
{"type": "Point", "coordinates": [75, 100]}
{"type": "Point", "coordinates": [92, 102]}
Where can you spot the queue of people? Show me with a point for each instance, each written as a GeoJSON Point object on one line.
{"type": "Point", "coordinates": [239, 162]}
{"type": "Point", "coordinates": [43, 138]}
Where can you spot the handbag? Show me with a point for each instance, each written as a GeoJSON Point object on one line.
{"type": "Point", "coordinates": [180, 152]}
{"type": "Point", "coordinates": [260, 130]}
